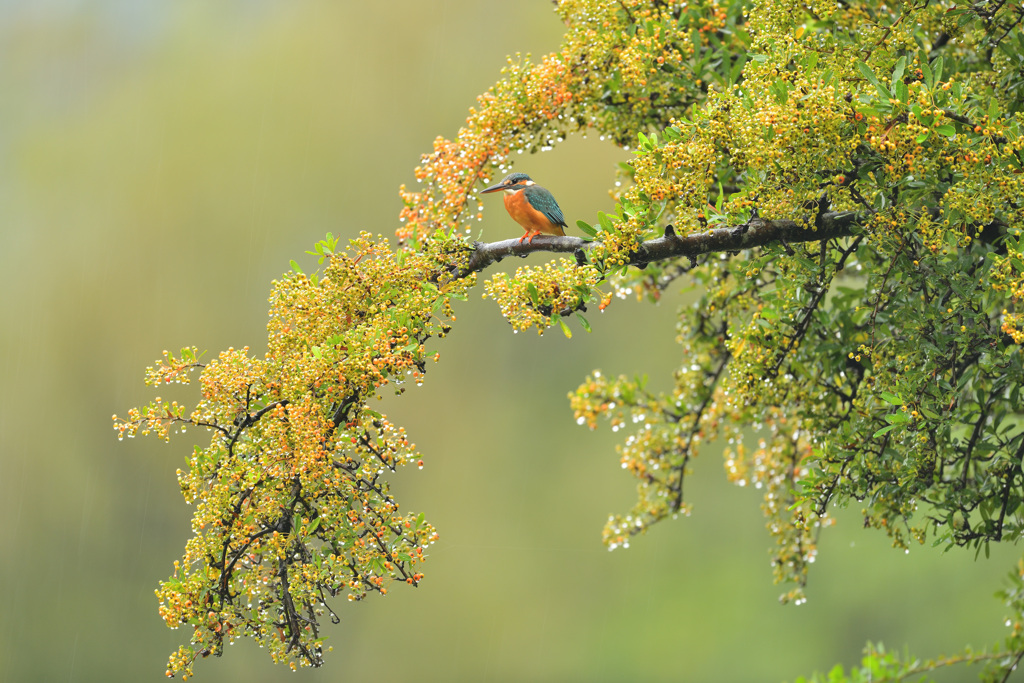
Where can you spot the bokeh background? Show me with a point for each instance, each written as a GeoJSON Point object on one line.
{"type": "Point", "coordinates": [160, 163]}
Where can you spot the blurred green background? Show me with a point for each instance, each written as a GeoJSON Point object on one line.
{"type": "Point", "coordinates": [160, 163]}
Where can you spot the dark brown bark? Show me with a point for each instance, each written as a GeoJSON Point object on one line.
{"type": "Point", "coordinates": [757, 233]}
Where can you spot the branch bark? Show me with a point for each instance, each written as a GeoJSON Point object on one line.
{"type": "Point", "coordinates": [756, 233]}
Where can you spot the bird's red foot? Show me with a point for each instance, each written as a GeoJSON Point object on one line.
{"type": "Point", "coordinates": [531, 235]}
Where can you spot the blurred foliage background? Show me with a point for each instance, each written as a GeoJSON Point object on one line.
{"type": "Point", "coordinates": [160, 163]}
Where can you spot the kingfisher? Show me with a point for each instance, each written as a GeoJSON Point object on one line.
{"type": "Point", "coordinates": [531, 206]}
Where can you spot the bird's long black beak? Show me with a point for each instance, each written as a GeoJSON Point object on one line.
{"type": "Point", "coordinates": [493, 188]}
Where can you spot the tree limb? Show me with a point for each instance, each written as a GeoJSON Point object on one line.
{"type": "Point", "coordinates": [756, 233]}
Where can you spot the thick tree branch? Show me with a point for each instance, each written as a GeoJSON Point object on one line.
{"type": "Point", "coordinates": [757, 233]}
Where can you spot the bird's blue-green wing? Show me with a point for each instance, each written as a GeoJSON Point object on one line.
{"type": "Point", "coordinates": [544, 201]}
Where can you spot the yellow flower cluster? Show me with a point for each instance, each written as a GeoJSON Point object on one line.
{"type": "Point", "coordinates": [291, 504]}
{"type": "Point", "coordinates": [538, 296]}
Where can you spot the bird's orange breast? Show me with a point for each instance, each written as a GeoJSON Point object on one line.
{"type": "Point", "coordinates": [530, 218]}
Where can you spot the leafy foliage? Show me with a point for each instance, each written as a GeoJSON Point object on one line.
{"type": "Point", "coordinates": [880, 367]}
{"type": "Point", "coordinates": [291, 505]}
{"type": "Point", "coordinates": [883, 368]}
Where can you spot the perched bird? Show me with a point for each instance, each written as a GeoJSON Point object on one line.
{"type": "Point", "coordinates": [531, 206]}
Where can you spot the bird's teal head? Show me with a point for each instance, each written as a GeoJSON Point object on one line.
{"type": "Point", "coordinates": [511, 182]}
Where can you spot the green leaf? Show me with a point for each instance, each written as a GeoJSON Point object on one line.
{"type": "Point", "coordinates": [583, 321]}
{"type": "Point", "coordinates": [1008, 50]}
{"type": "Point", "coordinates": [993, 110]}
{"type": "Point", "coordinates": [883, 430]}
{"type": "Point", "coordinates": [891, 398]}
{"type": "Point", "coordinates": [532, 291]}
{"type": "Point", "coordinates": [587, 228]}
{"type": "Point", "coordinates": [897, 74]}
{"type": "Point", "coordinates": [946, 129]}
{"type": "Point", "coordinates": [565, 328]}
{"type": "Point", "coordinates": [899, 91]}
{"type": "Point", "coordinates": [883, 92]}
{"type": "Point", "coordinates": [295, 267]}
{"type": "Point", "coordinates": [805, 262]}
{"type": "Point", "coordinates": [780, 89]}
{"type": "Point", "coordinates": [937, 69]}
{"type": "Point", "coordinates": [737, 68]}
{"type": "Point", "coordinates": [868, 74]}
